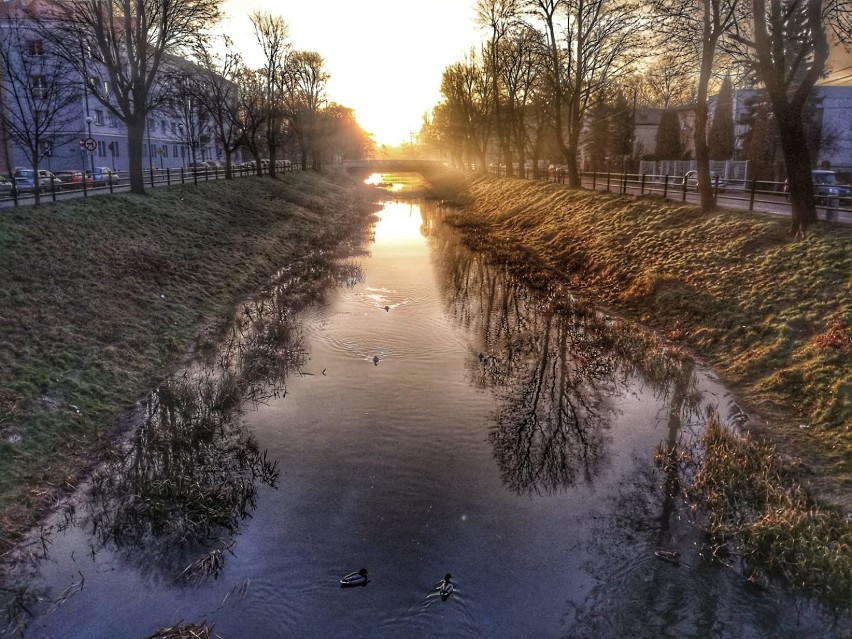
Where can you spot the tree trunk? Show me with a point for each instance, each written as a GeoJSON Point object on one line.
{"type": "Point", "coordinates": [556, 79]}
{"type": "Point", "coordinates": [571, 156]}
{"type": "Point", "coordinates": [304, 159]}
{"type": "Point", "coordinates": [702, 150]}
{"type": "Point", "coordinates": [135, 139]}
{"type": "Point", "coordinates": [788, 109]}
{"type": "Point", "coordinates": [36, 180]}
{"type": "Point", "coordinates": [273, 151]}
{"type": "Point", "coordinates": [228, 168]}
{"type": "Point", "coordinates": [797, 159]}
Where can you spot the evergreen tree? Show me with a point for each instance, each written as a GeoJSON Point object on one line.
{"type": "Point", "coordinates": [599, 135]}
{"type": "Point", "coordinates": [759, 142]}
{"type": "Point", "coordinates": [621, 127]}
{"type": "Point", "coordinates": [721, 137]}
{"type": "Point", "coordinates": [669, 146]}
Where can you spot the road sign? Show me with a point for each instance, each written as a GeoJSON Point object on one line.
{"type": "Point", "coordinates": [89, 144]}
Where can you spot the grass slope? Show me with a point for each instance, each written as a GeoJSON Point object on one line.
{"type": "Point", "coordinates": [100, 298]}
{"type": "Point", "coordinates": [773, 315]}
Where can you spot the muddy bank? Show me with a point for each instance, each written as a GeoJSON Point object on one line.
{"type": "Point", "coordinates": [772, 315]}
{"type": "Point", "coordinates": [101, 298]}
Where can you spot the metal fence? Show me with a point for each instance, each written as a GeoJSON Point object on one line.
{"type": "Point", "coordinates": [153, 177]}
{"type": "Point", "coordinates": [751, 195]}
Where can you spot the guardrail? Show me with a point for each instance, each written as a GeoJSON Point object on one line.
{"type": "Point", "coordinates": [153, 178]}
{"type": "Point", "coordinates": [750, 195]}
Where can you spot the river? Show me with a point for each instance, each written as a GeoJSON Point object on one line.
{"type": "Point", "coordinates": [446, 419]}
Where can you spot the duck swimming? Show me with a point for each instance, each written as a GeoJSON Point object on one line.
{"type": "Point", "coordinates": [445, 587]}
{"type": "Point", "coordinates": [355, 579]}
{"type": "Point", "coordinates": [671, 556]}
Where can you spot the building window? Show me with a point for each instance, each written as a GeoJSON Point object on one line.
{"type": "Point", "coordinates": [35, 47]}
{"type": "Point", "coordinates": [174, 129]}
{"type": "Point", "coordinates": [113, 120]}
{"type": "Point", "coordinates": [163, 125]}
{"type": "Point", "coordinates": [101, 149]}
{"type": "Point", "coordinates": [116, 149]}
{"type": "Point", "coordinates": [99, 117]}
{"type": "Point", "coordinates": [174, 150]}
{"type": "Point", "coordinates": [39, 86]}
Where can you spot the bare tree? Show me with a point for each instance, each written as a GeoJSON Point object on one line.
{"type": "Point", "coordinates": [41, 102]}
{"type": "Point", "coordinates": [272, 35]}
{"type": "Point", "coordinates": [217, 93]}
{"type": "Point", "coordinates": [252, 111]}
{"type": "Point", "coordinates": [696, 27]}
{"type": "Point", "coordinates": [520, 67]}
{"type": "Point", "coordinates": [785, 43]}
{"type": "Point", "coordinates": [304, 96]}
{"type": "Point", "coordinates": [591, 43]}
{"type": "Point", "coordinates": [498, 16]}
{"type": "Point", "coordinates": [668, 81]}
{"type": "Point", "coordinates": [191, 113]}
{"type": "Point", "coordinates": [121, 46]}
{"type": "Point", "coordinates": [467, 100]}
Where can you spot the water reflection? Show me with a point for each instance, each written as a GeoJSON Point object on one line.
{"type": "Point", "coordinates": [190, 473]}
{"type": "Point", "coordinates": [556, 366]}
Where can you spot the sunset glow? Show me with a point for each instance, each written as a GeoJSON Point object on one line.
{"type": "Point", "coordinates": [385, 58]}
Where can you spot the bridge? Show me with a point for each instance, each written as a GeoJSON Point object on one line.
{"type": "Point", "coordinates": [424, 167]}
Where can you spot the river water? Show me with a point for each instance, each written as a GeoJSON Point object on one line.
{"type": "Point", "coordinates": [448, 420]}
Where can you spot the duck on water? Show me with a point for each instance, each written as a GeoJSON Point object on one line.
{"type": "Point", "coordinates": [355, 579]}
{"type": "Point", "coordinates": [446, 587]}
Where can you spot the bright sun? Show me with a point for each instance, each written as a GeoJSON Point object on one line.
{"type": "Point", "coordinates": [385, 59]}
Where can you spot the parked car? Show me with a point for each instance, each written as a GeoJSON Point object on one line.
{"type": "Point", "coordinates": [826, 188]}
{"type": "Point", "coordinates": [716, 180]}
{"type": "Point", "coordinates": [199, 168]}
{"type": "Point", "coordinates": [6, 186]}
{"type": "Point", "coordinates": [104, 176]}
{"type": "Point", "coordinates": [72, 179]}
{"type": "Point", "coordinates": [25, 181]}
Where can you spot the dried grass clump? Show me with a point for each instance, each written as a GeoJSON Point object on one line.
{"type": "Point", "coordinates": [756, 509]}
{"type": "Point", "coordinates": [209, 565]}
{"type": "Point", "coordinates": [837, 336]}
{"type": "Point", "coordinates": [189, 631]}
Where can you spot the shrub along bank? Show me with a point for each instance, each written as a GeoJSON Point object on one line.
{"type": "Point", "coordinates": [100, 298]}
{"type": "Point", "coordinates": [772, 314]}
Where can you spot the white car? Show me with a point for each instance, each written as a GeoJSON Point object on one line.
{"type": "Point", "coordinates": [691, 180]}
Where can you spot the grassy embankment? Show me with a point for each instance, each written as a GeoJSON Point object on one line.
{"type": "Point", "coordinates": [771, 314]}
{"type": "Point", "coordinates": [101, 298]}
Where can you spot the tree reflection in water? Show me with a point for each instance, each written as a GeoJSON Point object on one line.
{"type": "Point", "coordinates": [191, 470]}
{"type": "Point", "coordinates": [555, 365]}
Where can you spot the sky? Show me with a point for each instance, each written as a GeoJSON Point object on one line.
{"type": "Point", "coordinates": [385, 57]}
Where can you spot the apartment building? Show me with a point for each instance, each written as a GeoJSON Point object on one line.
{"type": "Point", "coordinates": [78, 131]}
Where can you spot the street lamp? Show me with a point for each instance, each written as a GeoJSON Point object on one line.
{"type": "Point", "coordinates": [91, 153]}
